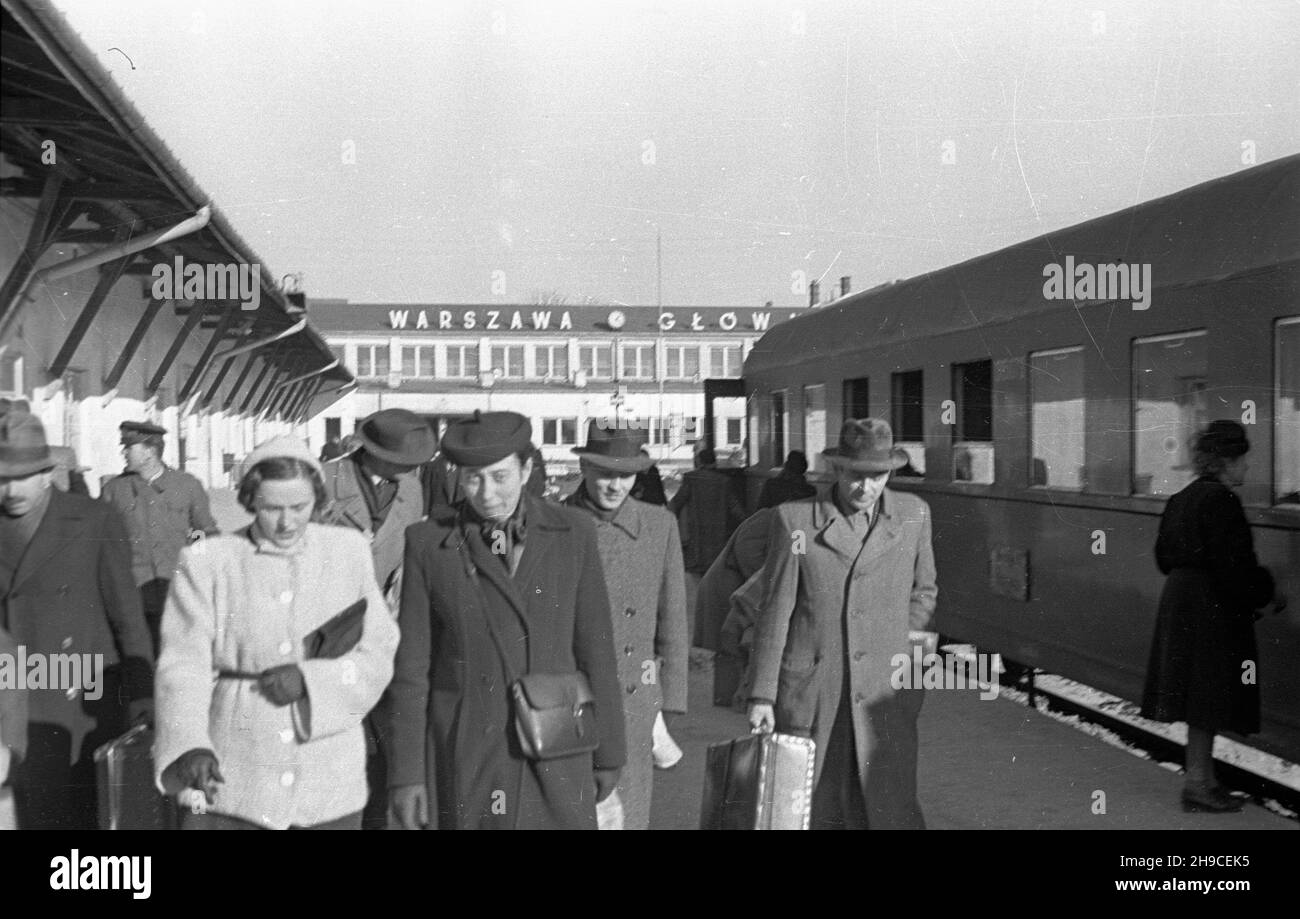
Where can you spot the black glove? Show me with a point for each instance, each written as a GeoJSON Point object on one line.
{"type": "Point", "coordinates": [283, 685]}
{"type": "Point", "coordinates": [606, 782]}
{"type": "Point", "coordinates": [195, 768]}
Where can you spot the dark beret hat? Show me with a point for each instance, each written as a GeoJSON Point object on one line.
{"type": "Point", "coordinates": [1223, 438]}
{"type": "Point", "coordinates": [487, 438]}
{"type": "Point", "coordinates": [134, 432]}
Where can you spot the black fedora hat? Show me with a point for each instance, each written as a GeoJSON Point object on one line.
{"type": "Point", "coordinates": [398, 436]}
{"type": "Point", "coordinates": [616, 448]}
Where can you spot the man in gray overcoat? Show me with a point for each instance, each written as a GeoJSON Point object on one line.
{"type": "Point", "coordinates": [849, 583]}
{"type": "Point", "coordinates": [641, 552]}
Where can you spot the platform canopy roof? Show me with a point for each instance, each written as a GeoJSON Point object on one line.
{"type": "Point", "coordinates": [114, 181]}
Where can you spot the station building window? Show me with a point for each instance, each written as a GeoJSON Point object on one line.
{"type": "Point", "coordinates": [724, 361]}
{"type": "Point", "coordinates": [417, 361]}
{"type": "Point", "coordinates": [1170, 404]}
{"type": "Point", "coordinates": [972, 446]}
{"type": "Point", "coordinates": [597, 360]}
{"type": "Point", "coordinates": [559, 432]}
{"type": "Point", "coordinates": [551, 361]}
{"type": "Point", "coordinates": [509, 359]}
{"type": "Point", "coordinates": [462, 361]}
{"type": "Point", "coordinates": [638, 362]}
{"type": "Point", "coordinates": [857, 399]}
{"type": "Point", "coordinates": [1286, 414]}
{"type": "Point", "coordinates": [1056, 424]}
{"type": "Point", "coordinates": [814, 424]}
{"type": "Point", "coordinates": [372, 360]}
{"type": "Point", "coordinates": [681, 362]}
{"type": "Point", "coordinates": [732, 435]}
{"type": "Point", "coordinates": [906, 417]}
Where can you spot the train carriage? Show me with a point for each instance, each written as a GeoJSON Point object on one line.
{"type": "Point", "coordinates": [1047, 392]}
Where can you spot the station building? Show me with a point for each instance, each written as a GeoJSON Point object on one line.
{"type": "Point", "coordinates": [560, 365]}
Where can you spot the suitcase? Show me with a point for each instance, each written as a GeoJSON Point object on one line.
{"type": "Point", "coordinates": [759, 782]}
{"type": "Point", "coordinates": [128, 798]}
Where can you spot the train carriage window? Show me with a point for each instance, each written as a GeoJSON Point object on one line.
{"type": "Point", "coordinates": [1170, 404]}
{"type": "Point", "coordinates": [1286, 414]}
{"type": "Point", "coordinates": [857, 403]}
{"type": "Point", "coordinates": [906, 397]}
{"type": "Point", "coordinates": [1056, 424]}
{"type": "Point", "coordinates": [972, 447]}
{"type": "Point", "coordinates": [814, 424]}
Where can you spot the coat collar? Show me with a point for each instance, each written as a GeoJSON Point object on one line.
{"type": "Point", "coordinates": [546, 525]}
{"type": "Point", "coordinates": [835, 532]}
{"type": "Point", "coordinates": [351, 502]}
{"type": "Point", "coordinates": [629, 517]}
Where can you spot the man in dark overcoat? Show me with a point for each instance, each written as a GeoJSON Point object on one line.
{"type": "Point", "coordinates": [376, 489]}
{"type": "Point", "coordinates": [849, 584]}
{"type": "Point", "coordinates": [498, 573]}
{"type": "Point", "coordinates": [66, 589]}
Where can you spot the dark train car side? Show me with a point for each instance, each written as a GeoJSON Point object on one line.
{"type": "Point", "coordinates": [1050, 432]}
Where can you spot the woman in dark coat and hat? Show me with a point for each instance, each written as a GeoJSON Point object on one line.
{"type": "Point", "coordinates": [1203, 656]}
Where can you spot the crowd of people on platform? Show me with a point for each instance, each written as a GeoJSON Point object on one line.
{"type": "Point", "coordinates": [393, 639]}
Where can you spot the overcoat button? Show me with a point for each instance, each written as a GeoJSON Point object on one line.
{"type": "Point", "coordinates": [629, 612]}
{"type": "Point", "coordinates": [859, 698]}
{"type": "Point", "coordinates": [627, 649]}
{"type": "Point", "coordinates": [285, 647]}
{"type": "Point", "coordinates": [859, 655]}
{"type": "Point", "coordinates": [631, 689]}
{"type": "Point", "coordinates": [286, 780]}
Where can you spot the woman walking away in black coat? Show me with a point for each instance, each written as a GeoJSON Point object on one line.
{"type": "Point", "coordinates": [1203, 658]}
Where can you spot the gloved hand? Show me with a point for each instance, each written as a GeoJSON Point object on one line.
{"type": "Point", "coordinates": [195, 768]}
{"type": "Point", "coordinates": [410, 805]}
{"type": "Point", "coordinates": [283, 685]}
{"type": "Point", "coordinates": [5, 759]}
{"type": "Point", "coordinates": [606, 782]}
{"type": "Point", "coordinates": [140, 711]}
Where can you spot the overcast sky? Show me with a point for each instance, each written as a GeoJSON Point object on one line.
{"type": "Point", "coordinates": [543, 144]}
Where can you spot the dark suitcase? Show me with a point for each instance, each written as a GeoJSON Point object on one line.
{"type": "Point", "coordinates": [759, 782]}
{"type": "Point", "coordinates": [128, 798]}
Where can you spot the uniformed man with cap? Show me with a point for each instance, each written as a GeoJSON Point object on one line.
{"type": "Point", "coordinates": [641, 554]}
{"type": "Point", "coordinates": [498, 573]}
{"type": "Point", "coordinates": [375, 489]}
{"type": "Point", "coordinates": [165, 510]}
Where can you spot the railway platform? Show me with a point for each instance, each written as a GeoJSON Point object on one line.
{"type": "Point", "coordinates": [983, 765]}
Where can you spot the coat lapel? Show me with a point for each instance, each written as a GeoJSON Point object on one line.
{"type": "Point", "coordinates": [834, 531]}
{"type": "Point", "coordinates": [347, 492]}
{"type": "Point", "coordinates": [60, 526]}
{"type": "Point", "coordinates": [885, 533]}
{"type": "Point", "coordinates": [542, 529]}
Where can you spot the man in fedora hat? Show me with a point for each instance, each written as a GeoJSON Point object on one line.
{"type": "Point", "coordinates": [66, 590]}
{"type": "Point", "coordinates": [849, 583]}
{"type": "Point", "coordinates": [376, 489]}
{"type": "Point", "coordinates": [641, 554]}
{"type": "Point", "coordinates": [500, 585]}
{"type": "Point", "coordinates": [164, 509]}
